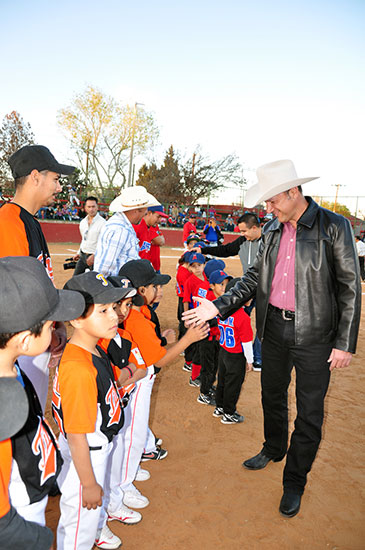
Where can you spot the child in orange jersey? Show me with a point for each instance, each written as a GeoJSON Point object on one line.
{"type": "Point", "coordinates": [86, 405]}
{"type": "Point", "coordinates": [30, 460]}
{"type": "Point", "coordinates": [143, 331]}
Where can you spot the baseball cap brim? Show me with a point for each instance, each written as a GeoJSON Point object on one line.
{"type": "Point", "coordinates": [160, 279]}
{"type": "Point", "coordinates": [70, 306]}
{"type": "Point", "coordinates": [63, 169]}
{"type": "Point", "coordinates": [220, 279]}
{"type": "Point", "coordinates": [117, 281]}
{"type": "Point", "coordinates": [14, 407]}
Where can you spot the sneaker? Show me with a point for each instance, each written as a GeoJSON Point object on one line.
{"type": "Point", "coordinates": [206, 399]}
{"type": "Point", "coordinates": [158, 441]}
{"type": "Point", "coordinates": [256, 367]}
{"type": "Point", "coordinates": [135, 499]}
{"type": "Point", "coordinates": [142, 475]}
{"type": "Point", "coordinates": [195, 383]}
{"type": "Point", "coordinates": [158, 454]}
{"type": "Point", "coordinates": [125, 515]}
{"type": "Point", "coordinates": [234, 418]}
{"type": "Point", "coordinates": [218, 411]}
{"type": "Point", "coordinates": [187, 367]}
{"type": "Point", "coordinates": [106, 539]}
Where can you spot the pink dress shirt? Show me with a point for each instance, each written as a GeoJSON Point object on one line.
{"type": "Point", "coordinates": [283, 284]}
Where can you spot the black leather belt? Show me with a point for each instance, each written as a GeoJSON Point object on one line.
{"type": "Point", "coordinates": [286, 314]}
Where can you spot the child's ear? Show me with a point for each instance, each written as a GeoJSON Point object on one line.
{"type": "Point", "coordinates": [211, 286]}
{"type": "Point", "coordinates": [23, 340]}
{"type": "Point", "coordinates": [77, 323]}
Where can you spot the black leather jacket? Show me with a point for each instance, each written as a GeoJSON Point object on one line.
{"type": "Point", "coordinates": [327, 280]}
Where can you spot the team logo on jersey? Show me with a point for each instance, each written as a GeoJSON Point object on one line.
{"type": "Point", "coordinates": [43, 445]}
{"type": "Point", "coordinates": [137, 356]}
{"type": "Point", "coordinates": [112, 399]}
{"type": "Point", "coordinates": [101, 278]}
{"type": "Point", "coordinates": [56, 404]}
{"type": "Point", "coordinates": [145, 247]}
{"type": "Point", "coordinates": [48, 264]}
{"type": "Point", "coordinates": [202, 292]}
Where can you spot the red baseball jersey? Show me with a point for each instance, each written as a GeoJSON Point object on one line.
{"type": "Point", "coordinates": [182, 276]}
{"type": "Point", "coordinates": [234, 331]}
{"type": "Point", "coordinates": [195, 287]}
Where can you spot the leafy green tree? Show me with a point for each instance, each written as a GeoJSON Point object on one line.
{"type": "Point", "coordinates": [339, 208]}
{"type": "Point", "coordinates": [164, 182]}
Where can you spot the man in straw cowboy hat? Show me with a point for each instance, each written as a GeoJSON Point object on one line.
{"type": "Point", "coordinates": [307, 287]}
{"type": "Point", "coordinates": [118, 242]}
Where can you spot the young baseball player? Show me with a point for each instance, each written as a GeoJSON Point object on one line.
{"type": "Point", "coordinates": [182, 274]}
{"type": "Point", "coordinates": [124, 355]}
{"type": "Point", "coordinates": [209, 348]}
{"type": "Point", "coordinates": [29, 304]}
{"type": "Point", "coordinates": [236, 348]}
{"type": "Point", "coordinates": [86, 405]}
{"type": "Point", "coordinates": [143, 331]}
{"type": "Point", "coordinates": [196, 285]}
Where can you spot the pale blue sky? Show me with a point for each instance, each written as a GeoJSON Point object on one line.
{"type": "Point", "coordinates": [264, 79]}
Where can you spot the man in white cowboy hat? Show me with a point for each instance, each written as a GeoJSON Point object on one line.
{"type": "Point", "coordinates": [307, 286]}
{"type": "Point", "coordinates": [118, 242]}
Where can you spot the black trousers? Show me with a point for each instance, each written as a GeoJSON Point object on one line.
{"type": "Point", "coordinates": [81, 265]}
{"type": "Point", "coordinates": [279, 355]}
{"type": "Point", "coordinates": [208, 352]}
{"type": "Point", "coordinates": [180, 309]}
{"type": "Point", "coordinates": [231, 374]}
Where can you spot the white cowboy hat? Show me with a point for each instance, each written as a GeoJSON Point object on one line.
{"type": "Point", "coordinates": [273, 178]}
{"type": "Point", "coordinates": [132, 198]}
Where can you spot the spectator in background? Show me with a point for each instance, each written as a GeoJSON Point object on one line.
{"type": "Point", "coordinates": [189, 226]}
{"type": "Point", "coordinates": [213, 233]}
{"type": "Point", "coordinates": [360, 246]}
{"type": "Point", "coordinates": [229, 223]}
{"type": "Point", "coordinates": [90, 228]}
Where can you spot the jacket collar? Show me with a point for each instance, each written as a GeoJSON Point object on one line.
{"type": "Point", "coordinates": [307, 218]}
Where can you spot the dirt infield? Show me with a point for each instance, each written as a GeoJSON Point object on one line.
{"type": "Point", "coordinates": [200, 495]}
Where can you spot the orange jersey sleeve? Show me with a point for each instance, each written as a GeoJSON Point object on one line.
{"type": "Point", "coordinates": [5, 470]}
{"type": "Point", "coordinates": [13, 238]}
{"type": "Point", "coordinates": [144, 335]}
{"type": "Point", "coordinates": [78, 390]}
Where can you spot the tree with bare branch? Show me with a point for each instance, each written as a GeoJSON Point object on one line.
{"type": "Point", "coordinates": [14, 134]}
{"type": "Point", "coordinates": [101, 132]}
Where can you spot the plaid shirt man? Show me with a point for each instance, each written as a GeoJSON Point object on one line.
{"type": "Point", "coordinates": [117, 244]}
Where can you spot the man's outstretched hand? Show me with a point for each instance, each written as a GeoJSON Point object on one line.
{"type": "Point", "coordinates": [199, 315]}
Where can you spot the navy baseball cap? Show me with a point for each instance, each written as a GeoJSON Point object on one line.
{"type": "Point", "coordinates": [96, 289]}
{"type": "Point", "coordinates": [36, 157]}
{"type": "Point", "coordinates": [193, 237]}
{"type": "Point", "coordinates": [218, 276]}
{"type": "Point", "coordinates": [195, 257]}
{"type": "Point", "coordinates": [28, 296]}
{"type": "Point", "coordinates": [159, 209]}
{"type": "Point", "coordinates": [213, 265]}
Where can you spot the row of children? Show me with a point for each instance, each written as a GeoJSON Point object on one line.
{"type": "Point", "coordinates": [101, 398]}
{"type": "Point", "coordinates": [228, 347]}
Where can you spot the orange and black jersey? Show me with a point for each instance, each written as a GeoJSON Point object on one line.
{"type": "Point", "coordinates": [5, 471]}
{"type": "Point", "coordinates": [143, 332]}
{"type": "Point", "coordinates": [85, 396]}
{"type": "Point", "coordinates": [21, 235]}
{"type": "Point", "coordinates": [35, 449]}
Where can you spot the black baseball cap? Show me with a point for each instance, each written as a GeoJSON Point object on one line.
{"type": "Point", "coordinates": [14, 407]}
{"type": "Point", "coordinates": [141, 273]}
{"type": "Point", "coordinates": [36, 157]}
{"type": "Point", "coordinates": [123, 282]}
{"type": "Point", "coordinates": [96, 289]}
{"type": "Point", "coordinates": [28, 296]}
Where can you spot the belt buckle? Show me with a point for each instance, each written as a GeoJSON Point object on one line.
{"type": "Point", "coordinates": [284, 316]}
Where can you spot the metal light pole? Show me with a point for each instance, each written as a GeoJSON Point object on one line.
{"type": "Point", "coordinates": [130, 176]}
